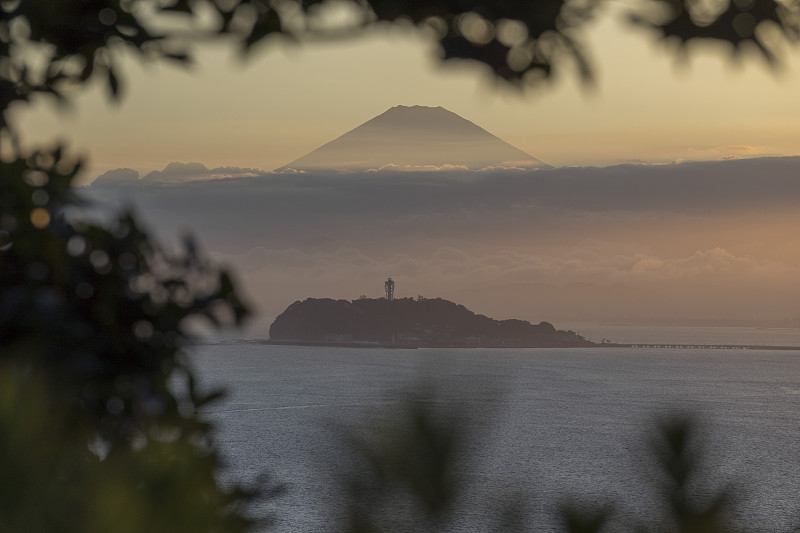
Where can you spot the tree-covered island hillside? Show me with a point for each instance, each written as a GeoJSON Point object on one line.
{"type": "Point", "coordinates": [406, 321]}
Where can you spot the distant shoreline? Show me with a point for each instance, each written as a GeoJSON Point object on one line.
{"type": "Point", "coordinates": [706, 324]}
{"type": "Point", "coordinates": [641, 345]}
{"type": "Point", "coordinates": [365, 344]}
{"type": "Point", "coordinates": [694, 346]}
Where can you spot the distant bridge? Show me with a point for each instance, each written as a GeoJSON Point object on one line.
{"type": "Point", "coordinates": [658, 345]}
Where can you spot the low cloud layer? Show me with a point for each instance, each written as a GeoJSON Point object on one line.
{"type": "Point", "coordinates": [692, 239]}
{"type": "Point", "coordinates": [174, 173]}
{"type": "Point", "coordinates": [726, 152]}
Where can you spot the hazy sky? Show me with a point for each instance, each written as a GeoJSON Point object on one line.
{"type": "Point", "coordinates": [699, 241]}
{"type": "Point", "coordinates": [289, 100]}
{"type": "Point", "coordinates": [710, 240]}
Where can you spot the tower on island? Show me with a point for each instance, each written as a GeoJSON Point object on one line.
{"type": "Point", "coordinates": [389, 286]}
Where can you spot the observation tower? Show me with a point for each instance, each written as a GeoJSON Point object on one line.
{"type": "Point", "coordinates": [389, 287]}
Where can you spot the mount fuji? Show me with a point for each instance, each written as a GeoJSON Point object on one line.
{"type": "Point", "coordinates": [415, 138]}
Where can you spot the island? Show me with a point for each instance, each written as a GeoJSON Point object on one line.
{"type": "Point", "coordinates": [409, 322]}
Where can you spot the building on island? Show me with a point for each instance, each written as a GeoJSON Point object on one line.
{"type": "Point", "coordinates": [389, 287]}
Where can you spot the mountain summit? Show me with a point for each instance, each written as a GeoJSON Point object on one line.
{"type": "Point", "coordinates": [415, 138]}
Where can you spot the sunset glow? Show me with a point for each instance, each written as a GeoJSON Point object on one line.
{"type": "Point", "coordinates": [287, 100]}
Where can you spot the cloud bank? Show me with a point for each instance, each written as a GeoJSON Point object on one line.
{"type": "Point", "coordinates": [174, 173]}
{"type": "Point", "coordinates": [702, 240]}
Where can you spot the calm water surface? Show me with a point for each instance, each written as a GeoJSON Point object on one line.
{"type": "Point", "coordinates": [549, 422]}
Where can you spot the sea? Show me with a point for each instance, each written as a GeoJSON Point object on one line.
{"type": "Point", "coordinates": [541, 426]}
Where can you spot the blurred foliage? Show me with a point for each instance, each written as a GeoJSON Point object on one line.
{"type": "Point", "coordinates": [101, 310]}
{"type": "Point", "coordinates": [51, 484]}
{"type": "Point", "coordinates": [93, 320]}
{"type": "Point", "coordinates": [676, 463]}
{"type": "Point", "coordinates": [406, 477]}
{"type": "Point", "coordinates": [93, 317]}
{"type": "Point", "coordinates": [410, 474]}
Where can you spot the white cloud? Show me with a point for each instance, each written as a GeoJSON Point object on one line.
{"type": "Point", "coordinates": [175, 173]}
{"type": "Point", "coordinates": [289, 170]}
{"type": "Point", "coordinates": [498, 168]}
{"type": "Point", "coordinates": [393, 167]}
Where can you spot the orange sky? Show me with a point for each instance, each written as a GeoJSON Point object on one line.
{"type": "Point", "coordinates": [731, 259]}
{"type": "Point", "coordinates": [289, 100]}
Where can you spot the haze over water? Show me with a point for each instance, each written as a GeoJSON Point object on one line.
{"type": "Point", "coordinates": [551, 422]}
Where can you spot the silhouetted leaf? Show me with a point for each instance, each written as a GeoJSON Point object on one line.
{"type": "Point", "coordinates": [267, 23]}
{"type": "Point", "coordinates": [113, 83]}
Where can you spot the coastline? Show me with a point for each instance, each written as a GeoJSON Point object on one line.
{"type": "Point", "coordinates": [363, 344]}
{"type": "Point", "coordinates": [649, 345]}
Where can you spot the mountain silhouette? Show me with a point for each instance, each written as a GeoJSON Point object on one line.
{"type": "Point", "coordinates": [415, 138]}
